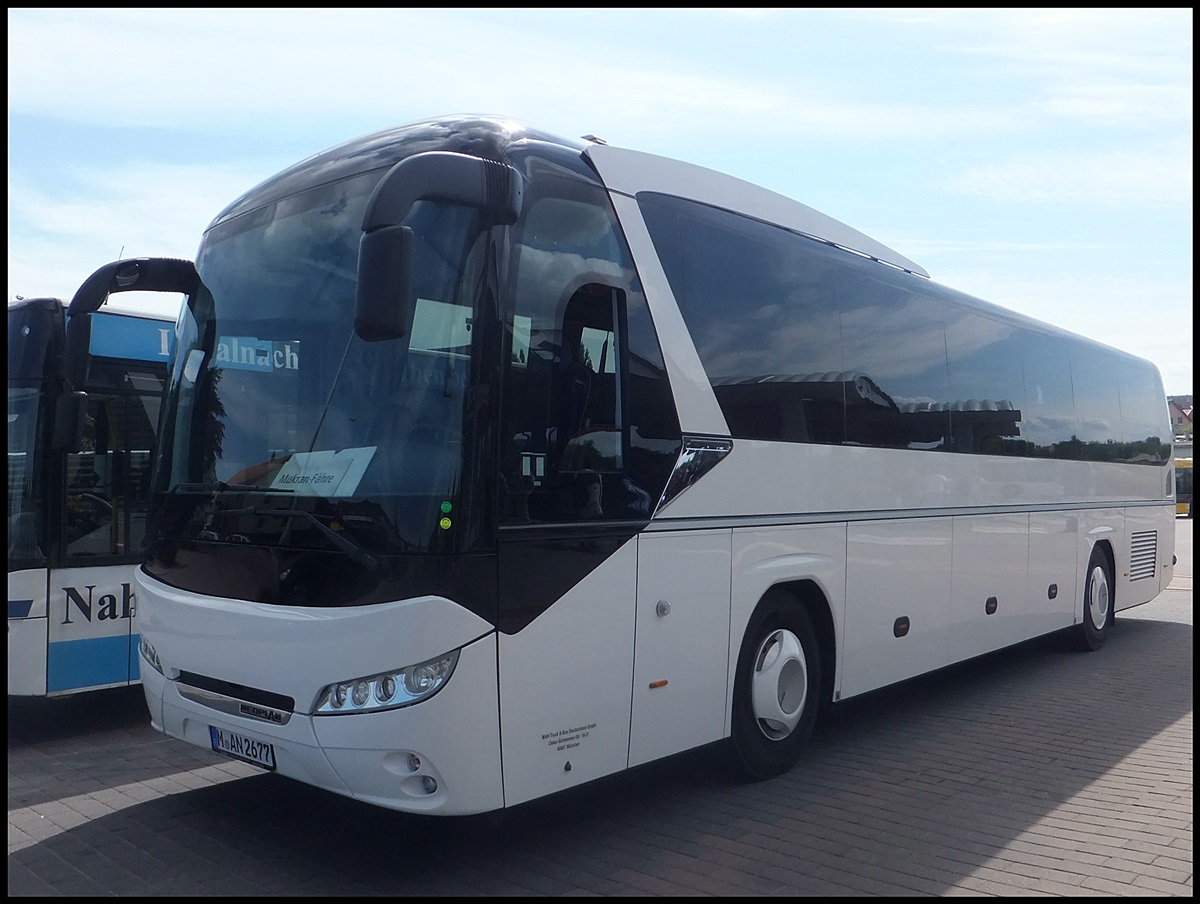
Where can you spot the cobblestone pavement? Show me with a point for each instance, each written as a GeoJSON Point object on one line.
{"type": "Point", "coordinates": [1031, 771]}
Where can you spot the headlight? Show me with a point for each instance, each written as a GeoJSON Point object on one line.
{"type": "Point", "coordinates": [387, 690]}
{"type": "Point", "coordinates": [149, 654]}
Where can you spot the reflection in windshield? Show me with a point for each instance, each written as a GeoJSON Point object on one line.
{"type": "Point", "coordinates": [276, 392]}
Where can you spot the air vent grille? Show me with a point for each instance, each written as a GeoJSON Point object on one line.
{"type": "Point", "coordinates": [1143, 555]}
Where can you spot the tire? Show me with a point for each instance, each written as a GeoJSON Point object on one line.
{"type": "Point", "coordinates": [777, 689]}
{"type": "Point", "coordinates": [1091, 633]}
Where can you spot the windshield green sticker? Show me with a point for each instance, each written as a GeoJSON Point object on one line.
{"type": "Point", "coordinates": [325, 473]}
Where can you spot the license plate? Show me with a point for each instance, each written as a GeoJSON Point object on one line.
{"type": "Point", "coordinates": [240, 747]}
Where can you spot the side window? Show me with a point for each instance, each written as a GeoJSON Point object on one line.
{"type": "Point", "coordinates": [92, 521]}
{"type": "Point", "coordinates": [1145, 423]}
{"type": "Point", "coordinates": [807, 343]}
{"type": "Point", "coordinates": [589, 429]}
{"type": "Point", "coordinates": [1051, 427]}
{"type": "Point", "coordinates": [108, 480]}
{"type": "Point", "coordinates": [26, 525]}
{"type": "Point", "coordinates": [986, 384]}
{"type": "Point", "coordinates": [803, 342]}
{"type": "Point", "coordinates": [761, 305]}
{"type": "Point", "coordinates": [895, 338]}
{"type": "Point", "coordinates": [1097, 404]}
{"type": "Point", "coordinates": [141, 416]}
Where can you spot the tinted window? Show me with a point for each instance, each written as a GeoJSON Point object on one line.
{"type": "Point", "coordinates": [896, 338]}
{"type": "Point", "coordinates": [1097, 403]}
{"type": "Point", "coordinates": [1145, 423]}
{"type": "Point", "coordinates": [763, 314]}
{"type": "Point", "coordinates": [987, 383]}
{"type": "Point", "coordinates": [803, 342]}
{"type": "Point", "coordinates": [1049, 413]}
{"type": "Point", "coordinates": [108, 481]}
{"type": "Point", "coordinates": [589, 427]}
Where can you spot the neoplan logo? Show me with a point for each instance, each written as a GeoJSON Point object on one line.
{"type": "Point", "coordinates": [261, 712]}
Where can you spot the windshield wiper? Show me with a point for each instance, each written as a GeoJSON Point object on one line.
{"type": "Point", "coordinates": [349, 547]}
{"type": "Point", "coordinates": [219, 486]}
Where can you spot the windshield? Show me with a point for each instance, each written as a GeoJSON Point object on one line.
{"type": "Point", "coordinates": [293, 431]}
{"type": "Point", "coordinates": [24, 544]}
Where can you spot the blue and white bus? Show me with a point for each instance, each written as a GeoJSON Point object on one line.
{"type": "Point", "coordinates": [78, 491]}
{"type": "Point", "coordinates": [495, 462]}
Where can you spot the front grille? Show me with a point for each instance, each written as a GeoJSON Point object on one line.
{"type": "Point", "coordinates": [238, 691]}
{"type": "Point", "coordinates": [1143, 555]}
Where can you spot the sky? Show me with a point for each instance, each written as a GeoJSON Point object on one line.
{"type": "Point", "coordinates": [1040, 159]}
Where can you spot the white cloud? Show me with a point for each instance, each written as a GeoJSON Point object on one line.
{"type": "Point", "coordinates": [1102, 179]}
{"type": "Point", "coordinates": [1125, 41]}
{"type": "Point", "coordinates": [145, 210]}
{"type": "Point", "coordinates": [1137, 106]}
{"type": "Point", "coordinates": [1131, 67]}
{"type": "Point", "coordinates": [195, 67]}
{"type": "Point", "coordinates": [1140, 315]}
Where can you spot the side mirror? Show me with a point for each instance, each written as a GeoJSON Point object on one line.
{"type": "Point", "coordinates": [143, 274]}
{"type": "Point", "coordinates": [383, 301]}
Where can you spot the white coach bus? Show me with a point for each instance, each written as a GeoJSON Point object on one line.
{"type": "Point", "coordinates": [495, 462]}
{"type": "Point", "coordinates": [79, 456]}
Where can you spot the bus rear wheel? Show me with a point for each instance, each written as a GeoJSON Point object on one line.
{"type": "Point", "coordinates": [777, 688]}
{"type": "Point", "coordinates": [1091, 633]}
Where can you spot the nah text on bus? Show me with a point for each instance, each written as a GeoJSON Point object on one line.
{"type": "Point", "coordinates": [98, 608]}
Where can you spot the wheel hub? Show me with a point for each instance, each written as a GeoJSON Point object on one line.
{"type": "Point", "coordinates": [1098, 597]}
{"type": "Point", "coordinates": [779, 685]}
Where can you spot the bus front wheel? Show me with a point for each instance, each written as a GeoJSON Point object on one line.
{"type": "Point", "coordinates": [777, 688]}
{"type": "Point", "coordinates": [1097, 603]}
